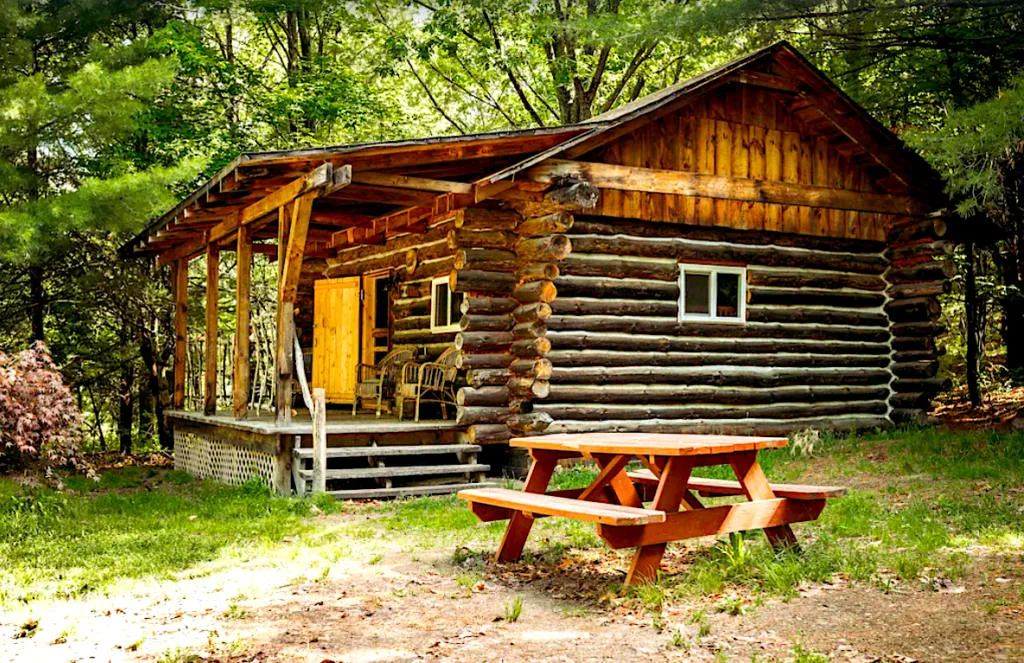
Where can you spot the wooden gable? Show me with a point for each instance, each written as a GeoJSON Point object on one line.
{"type": "Point", "coordinates": [745, 131]}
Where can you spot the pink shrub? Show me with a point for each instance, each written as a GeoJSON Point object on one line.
{"type": "Point", "coordinates": [39, 419]}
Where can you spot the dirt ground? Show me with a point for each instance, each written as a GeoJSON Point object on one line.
{"type": "Point", "coordinates": [379, 602]}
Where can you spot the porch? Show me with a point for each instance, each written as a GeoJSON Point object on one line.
{"type": "Point", "coordinates": [367, 456]}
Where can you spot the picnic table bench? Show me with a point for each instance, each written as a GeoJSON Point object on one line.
{"type": "Point", "coordinates": [615, 499]}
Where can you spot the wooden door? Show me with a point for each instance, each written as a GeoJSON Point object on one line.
{"type": "Point", "coordinates": [336, 337]}
{"type": "Point", "coordinates": [376, 317]}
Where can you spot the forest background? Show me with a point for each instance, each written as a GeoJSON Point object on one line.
{"type": "Point", "coordinates": [112, 110]}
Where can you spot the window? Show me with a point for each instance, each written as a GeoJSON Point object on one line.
{"type": "Point", "coordinates": [710, 292]}
{"type": "Point", "coordinates": [445, 306]}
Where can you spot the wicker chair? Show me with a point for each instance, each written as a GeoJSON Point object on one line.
{"type": "Point", "coordinates": [379, 381]}
{"type": "Point", "coordinates": [432, 382]}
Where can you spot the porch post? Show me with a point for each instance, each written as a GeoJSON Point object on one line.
{"type": "Point", "coordinates": [180, 277]}
{"type": "Point", "coordinates": [212, 281]}
{"type": "Point", "coordinates": [240, 383]}
{"type": "Point", "coordinates": [290, 254]}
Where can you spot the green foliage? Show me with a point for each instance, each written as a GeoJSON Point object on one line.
{"type": "Point", "coordinates": [513, 609]}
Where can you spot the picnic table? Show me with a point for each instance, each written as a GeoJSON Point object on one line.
{"type": "Point", "coordinates": [615, 499]}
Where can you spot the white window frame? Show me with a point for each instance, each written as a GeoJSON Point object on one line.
{"type": "Point", "coordinates": [451, 326]}
{"type": "Point", "coordinates": [713, 271]}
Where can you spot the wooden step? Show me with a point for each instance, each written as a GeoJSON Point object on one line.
{"type": "Point", "coordinates": [550, 505]}
{"type": "Point", "coordinates": [718, 487]}
{"type": "Point", "coordinates": [397, 471]}
{"type": "Point", "coordinates": [406, 450]}
{"type": "Point", "coordinates": [402, 491]}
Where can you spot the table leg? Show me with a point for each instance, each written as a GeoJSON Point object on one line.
{"type": "Point", "coordinates": [613, 474]}
{"type": "Point", "coordinates": [519, 524]}
{"type": "Point", "coordinates": [755, 487]}
{"type": "Point", "coordinates": [671, 488]}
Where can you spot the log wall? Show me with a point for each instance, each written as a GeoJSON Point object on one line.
{"type": "Point", "coordinates": [815, 350]}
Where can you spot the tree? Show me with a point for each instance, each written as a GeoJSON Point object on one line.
{"type": "Point", "coordinates": [980, 150]}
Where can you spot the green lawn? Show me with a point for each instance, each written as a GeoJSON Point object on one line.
{"type": "Point", "coordinates": [924, 502]}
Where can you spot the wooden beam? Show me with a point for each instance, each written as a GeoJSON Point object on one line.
{"type": "Point", "coordinates": [299, 226]}
{"type": "Point", "coordinates": [210, 367]}
{"type": "Point", "coordinates": [410, 182]}
{"type": "Point", "coordinates": [387, 224]}
{"type": "Point", "coordinates": [629, 178]}
{"type": "Point", "coordinates": [284, 359]}
{"type": "Point", "coordinates": [767, 81]}
{"type": "Point", "coordinates": [243, 280]}
{"type": "Point", "coordinates": [319, 177]}
{"type": "Point", "coordinates": [180, 275]}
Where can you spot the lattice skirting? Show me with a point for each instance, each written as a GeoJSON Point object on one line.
{"type": "Point", "coordinates": [207, 457]}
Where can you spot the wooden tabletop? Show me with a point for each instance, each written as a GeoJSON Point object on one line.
{"type": "Point", "coordinates": [649, 444]}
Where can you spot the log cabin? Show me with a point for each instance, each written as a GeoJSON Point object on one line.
{"type": "Point", "coordinates": [747, 251]}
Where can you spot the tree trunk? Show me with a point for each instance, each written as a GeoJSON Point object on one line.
{"type": "Point", "coordinates": [125, 407]}
{"type": "Point", "coordinates": [37, 301]}
{"type": "Point", "coordinates": [974, 318]}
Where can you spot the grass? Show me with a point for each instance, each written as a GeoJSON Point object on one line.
{"type": "Point", "coordinates": [135, 522]}
{"type": "Point", "coordinates": [924, 498]}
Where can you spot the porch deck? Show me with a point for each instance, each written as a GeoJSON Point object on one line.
{"type": "Point", "coordinates": [339, 422]}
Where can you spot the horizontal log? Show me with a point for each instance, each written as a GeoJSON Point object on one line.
{"type": "Point", "coordinates": [406, 306]}
{"type": "Point", "coordinates": [428, 269]}
{"type": "Point", "coordinates": [681, 393]}
{"type": "Point", "coordinates": [474, 304]}
{"type": "Point", "coordinates": [490, 396]}
{"type": "Point", "coordinates": [593, 225]}
{"type": "Point", "coordinates": [917, 230]}
{"type": "Point", "coordinates": [548, 248]}
{"type": "Point", "coordinates": [914, 416]}
{"type": "Point", "coordinates": [478, 322]}
{"type": "Point", "coordinates": [917, 249]}
{"type": "Point", "coordinates": [926, 354]}
{"type": "Point", "coordinates": [600, 287]}
{"type": "Point", "coordinates": [652, 325]}
{"type": "Point", "coordinates": [532, 312]}
{"type": "Point", "coordinates": [936, 270]}
{"type": "Point", "coordinates": [486, 260]}
{"type": "Point", "coordinates": [913, 329]}
{"type": "Point", "coordinates": [744, 376]}
{"type": "Point", "coordinates": [486, 434]}
{"type": "Point", "coordinates": [468, 416]}
{"type": "Point", "coordinates": [910, 400]}
{"type": "Point", "coordinates": [913, 309]}
{"type": "Point", "coordinates": [689, 250]}
{"type": "Point", "coordinates": [412, 322]}
{"type": "Point", "coordinates": [915, 369]}
{"type": "Point", "coordinates": [532, 347]}
{"type": "Point", "coordinates": [911, 290]}
{"type": "Point", "coordinates": [487, 377]}
{"type": "Point", "coordinates": [535, 291]}
{"type": "Point", "coordinates": [599, 412]}
{"type": "Point", "coordinates": [535, 368]}
{"type": "Point", "coordinates": [601, 306]}
{"type": "Point", "coordinates": [462, 238]}
{"type": "Point", "coordinates": [913, 343]}
{"type": "Point", "coordinates": [545, 224]}
{"type": "Point", "coordinates": [722, 426]}
{"type": "Point", "coordinates": [538, 271]}
{"type": "Point", "coordinates": [526, 387]}
{"type": "Point", "coordinates": [826, 316]}
{"type": "Point", "coordinates": [618, 267]}
{"type": "Point", "coordinates": [929, 386]}
{"type": "Point", "coordinates": [482, 342]}
{"type": "Point", "coordinates": [580, 340]}
{"type": "Point", "coordinates": [421, 337]}
{"type": "Point", "coordinates": [581, 358]}
{"type": "Point", "coordinates": [814, 297]}
{"type": "Point", "coordinates": [534, 329]}
{"type": "Point", "coordinates": [481, 282]}
{"type": "Point", "coordinates": [474, 361]}
{"type": "Point", "coordinates": [524, 424]}
{"type": "Point", "coordinates": [480, 218]}
{"type": "Point", "coordinates": [725, 187]}
{"type": "Point", "coordinates": [814, 279]}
